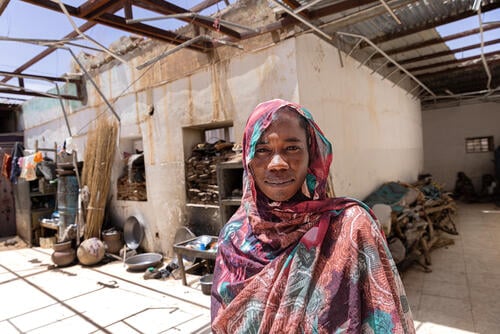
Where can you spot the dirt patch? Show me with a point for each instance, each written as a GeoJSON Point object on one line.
{"type": "Point", "coordinates": [9, 243]}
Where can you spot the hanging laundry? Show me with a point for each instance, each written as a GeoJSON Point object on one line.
{"type": "Point", "coordinates": [28, 166]}
{"type": "Point", "coordinates": [17, 152]}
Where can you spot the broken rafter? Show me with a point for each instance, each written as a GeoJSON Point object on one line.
{"type": "Point", "coordinates": [84, 27]}
{"type": "Point", "coordinates": [167, 8]}
{"type": "Point", "coordinates": [23, 91]}
{"type": "Point", "coordinates": [118, 22]}
{"type": "Point", "coordinates": [42, 77]}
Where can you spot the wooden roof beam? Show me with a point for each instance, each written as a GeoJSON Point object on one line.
{"type": "Point", "coordinates": [167, 8]}
{"type": "Point", "coordinates": [118, 22]}
{"type": "Point", "coordinates": [439, 40]}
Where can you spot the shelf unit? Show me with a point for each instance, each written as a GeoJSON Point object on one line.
{"type": "Point", "coordinates": [33, 203]}
{"type": "Point", "coordinates": [230, 181]}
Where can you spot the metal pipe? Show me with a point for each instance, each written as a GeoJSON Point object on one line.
{"type": "Point", "coordinates": [88, 38]}
{"type": "Point", "coordinates": [369, 57]}
{"type": "Point", "coordinates": [387, 76]}
{"type": "Point", "coordinates": [48, 42]}
{"type": "Point", "coordinates": [382, 65]}
{"type": "Point", "coordinates": [193, 15]}
{"type": "Point", "coordinates": [63, 110]}
{"type": "Point", "coordinates": [93, 82]}
{"type": "Point", "coordinates": [301, 19]}
{"type": "Point", "coordinates": [483, 58]}
{"type": "Point", "coordinates": [386, 6]}
{"type": "Point", "coordinates": [183, 45]}
{"type": "Point", "coordinates": [354, 47]}
{"type": "Point", "coordinates": [366, 40]}
{"type": "Point", "coordinates": [307, 5]}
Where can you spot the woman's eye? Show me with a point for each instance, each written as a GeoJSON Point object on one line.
{"type": "Point", "coordinates": [292, 148]}
{"type": "Point", "coordinates": [261, 150]}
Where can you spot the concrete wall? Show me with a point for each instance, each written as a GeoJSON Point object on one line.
{"type": "Point", "coordinates": [445, 131]}
{"type": "Point", "coordinates": [375, 128]}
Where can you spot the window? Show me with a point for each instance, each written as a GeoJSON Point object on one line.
{"type": "Point", "coordinates": [479, 144]}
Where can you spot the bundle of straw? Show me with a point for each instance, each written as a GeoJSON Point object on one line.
{"type": "Point", "coordinates": [99, 157]}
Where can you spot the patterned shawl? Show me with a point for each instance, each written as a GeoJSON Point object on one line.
{"type": "Point", "coordinates": [319, 265]}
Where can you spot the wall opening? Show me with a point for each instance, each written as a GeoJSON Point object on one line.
{"type": "Point", "coordinates": [205, 147]}
{"type": "Point", "coordinates": [131, 185]}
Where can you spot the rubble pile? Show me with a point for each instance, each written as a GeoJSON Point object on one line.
{"type": "Point", "coordinates": [201, 171]}
{"type": "Point", "coordinates": [420, 216]}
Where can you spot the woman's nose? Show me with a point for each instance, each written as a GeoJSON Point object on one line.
{"type": "Point", "coordinates": [277, 162]}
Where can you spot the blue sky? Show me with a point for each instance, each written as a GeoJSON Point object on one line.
{"type": "Point", "coordinates": [471, 23]}
{"type": "Point", "coordinates": [22, 20]}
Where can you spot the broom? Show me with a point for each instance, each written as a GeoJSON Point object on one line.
{"type": "Point", "coordinates": [99, 157]}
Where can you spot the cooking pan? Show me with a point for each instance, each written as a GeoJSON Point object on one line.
{"type": "Point", "coordinates": [143, 261]}
{"type": "Point", "coordinates": [133, 232]}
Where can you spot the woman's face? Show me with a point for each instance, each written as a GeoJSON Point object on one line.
{"type": "Point", "coordinates": [281, 159]}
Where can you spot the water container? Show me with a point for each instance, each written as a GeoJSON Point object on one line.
{"type": "Point", "coordinates": [67, 200]}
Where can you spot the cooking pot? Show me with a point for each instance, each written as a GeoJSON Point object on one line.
{"type": "Point", "coordinates": [133, 232]}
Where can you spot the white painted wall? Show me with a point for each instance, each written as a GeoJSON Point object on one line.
{"type": "Point", "coordinates": [445, 131]}
{"type": "Point", "coordinates": [375, 128]}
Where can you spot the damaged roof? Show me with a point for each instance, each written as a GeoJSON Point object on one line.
{"type": "Point", "coordinates": [398, 39]}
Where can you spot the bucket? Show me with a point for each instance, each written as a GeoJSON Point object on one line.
{"type": "Point", "coordinates": [206, 284]}
{"type": "Point", "coordinates": [67, 199]}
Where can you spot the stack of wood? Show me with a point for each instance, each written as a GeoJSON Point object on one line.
{"type": "Point", "coordinates": [201, 175]}
{"type": "Point", "coordinates": [419, 219]}
{"type": "Point", "coordinates": [131, 184]}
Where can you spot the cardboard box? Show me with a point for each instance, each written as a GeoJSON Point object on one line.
{"type": "Point", "coordinates": [47, 242]}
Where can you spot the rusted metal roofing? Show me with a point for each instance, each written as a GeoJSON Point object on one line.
{"type": "Point", "coordinates": [396, 38]}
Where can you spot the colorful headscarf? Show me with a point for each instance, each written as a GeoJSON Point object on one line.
{"type": "Point", "coordinates": [319, 265]}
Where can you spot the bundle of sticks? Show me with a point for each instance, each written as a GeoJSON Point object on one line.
{"type": "Point", "coordinates": [99, 156]}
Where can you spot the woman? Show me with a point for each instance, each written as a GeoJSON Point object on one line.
{"type": "Point", "coordinates": [292, 260]}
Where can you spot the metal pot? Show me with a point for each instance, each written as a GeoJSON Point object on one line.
{"type": "Point", "coordinates": [143, 261]}
{"type": "Point", "coordinates": [133, 232]}
{"type": "Point", "coordinates": [206, 284]}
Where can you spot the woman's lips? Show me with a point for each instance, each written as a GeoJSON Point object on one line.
{"type": "Point", "coordinates": [278, 182]}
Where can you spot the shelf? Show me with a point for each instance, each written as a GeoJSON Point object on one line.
{"type": "Point", "coordinates": [231, 201]}
{"type": "Point", "coordinates": [196, 205]}
{"type": "Point", "coordinates": [36, 194]}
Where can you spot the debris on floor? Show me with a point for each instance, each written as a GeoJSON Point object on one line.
{"type": "Point", "coordinates": [414, 217]}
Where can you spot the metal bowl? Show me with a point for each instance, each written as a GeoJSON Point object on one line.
{"type": "Point", "coordinates": [133, 232]}
{"type": "Point", "coordinates": [143, 261]}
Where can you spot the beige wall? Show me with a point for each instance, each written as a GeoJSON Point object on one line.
{"type": "Point", "coordinates": [445, 131]}
{"type": "Point", "coordinates": [375, 128]}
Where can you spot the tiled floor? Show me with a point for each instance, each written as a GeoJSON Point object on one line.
{"type": "Point", "coordinates": [102, 299]}
{"type": "Point", "coordinates": [460, 295]}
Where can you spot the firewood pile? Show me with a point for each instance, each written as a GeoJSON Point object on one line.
{"type": "Point", "coordinates": [421, 215]}
{"type": "Point", "coordinates": [131, 185]}
{"type": "Point", "coordinates": [201, 175]}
